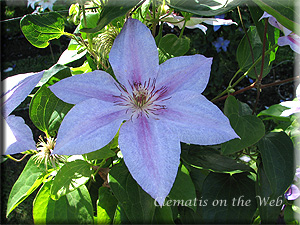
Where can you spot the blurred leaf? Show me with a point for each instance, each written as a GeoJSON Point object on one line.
{"type": "Point", "coordinates": [249, 128]}
{"type": "Point", "coordinates": [137, 204]}
{"type": "Point", "coordinates": [277, 152]}
{"type": "Point", "coordinates": [70, 177]}
{"type": "Point", "coordinates": [91, 20]}
{"type": "Point", "coordinates": [172, 46]}
{"type": "Point", "coordinates": [106, 206]}
{"type": "Point", "coordinates": [244, 57]}
{"type": "Point", "coordinates": [183, 187]}
{"type": "Point", "coordinates": [268, 213]}
{"type": "Point", "coordinates": [112, 9]}
{"type": "Point", "coordinates": [120, 216]}
{"type": "Point", "coordinates": [40, 29]}
{"type": "Point", "coordinates": [223, 192]}
{"type": "Point", "coordinates": [286, 14]}
{"type": "Point", "coordinates": [47, 111]}
{"type": "Point", "coordinates": [211, 159]}
{"type": "Point", "coordinates": [205, 7]}
{"type": "Point", "coordinates": [163, 215]}
{"type": "Point", "coordinates": [84, 68]}
{"type": "Point", "coordinates": [30, 179]}
{"type": "Point", "coordinates": [275, 111]}
{"type": "Point", "coordinates": [73, 208]}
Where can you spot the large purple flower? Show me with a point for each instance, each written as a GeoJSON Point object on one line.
{"type": "Point", "coordinates": [17, 135]}
{"type": "Point", "coordinates": [160, 104]}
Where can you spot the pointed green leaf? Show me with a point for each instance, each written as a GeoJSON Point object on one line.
{"type": "Point", "coordinates": [173, 46]}
{"type": "Point", "coordinates": [40, 29]}
{"type": "Point", "coordinates": [244, 56]}
{"type": "Point", "coordinates": [183, 187]}
{"type": "Point", "coordinates": [274, 111]}
{"type": "Point", "coordinates": [55, 74]}
{"type": "Point", "coordinates": [230, 198]}
{"type": "Point", "coordinates": [102, 153]}
{"type": "Point", "coordinates": [30, 179]}
{"type": "Point", "coordinates": [211, 159]}
{"type": "Point", "coordinates": [73, 208]}
{"type": "Point", "coordinates": [234, 106]}
{"type": "Point", "coordinates": [112, 9]}
{"type": "Point", "coordinates": [137, 204]}
{"type": "Point", "coordinates": [277, 152]}
{"type": "Point", "coordinates": [249, 128]}
{"type": "Point", "coordinates": [71, 176]}
{"type": "Point", "coordinates": [47, 111]}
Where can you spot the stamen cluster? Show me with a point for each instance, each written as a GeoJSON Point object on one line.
{"type": "Point", "coordinates": [142, 99]}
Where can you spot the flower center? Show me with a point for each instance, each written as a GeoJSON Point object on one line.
{"type": "Point", "coordinates": [142, 99]}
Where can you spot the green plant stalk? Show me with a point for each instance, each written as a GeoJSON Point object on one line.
{"type": "Point", "coordinates": [245, 74]}
{"type": "Point", "coordinates": [90, 41]}
{"type": "Point", "coordinates": [182, 30]}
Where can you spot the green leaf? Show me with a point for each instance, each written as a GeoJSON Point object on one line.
{"type": "Point", "coordinates": [102, 153]}
{"type": "Point", "coordinates": [47, 111]}
{"type": "Point", "coordinates": [211, 159]}
{"type": "Point", "coordinates": [274, 111]}
{"type": "Point", "coordinates": [163, 215]}
{"type": "Point", "coordinates": [112, 9]}
{"type": "Point", "coordinates": [55, 74]}
{"type": "Point", "coordinates": [120, 216]}
{"type": "Point", "coordinates": [205, 7]}
{"type": "Point", "coordinates": [91, 20]}
{"type": "Point", "coordinates": [70, 177]}
{"type": "Point", "coordinates": [244, 56]}
{"type": "Point", "coordinates": [277, 152]}
{"type": "Point", "coordinates": [30, 179]}
{"type": "Point", "coordinates": [249, 128]}
{"type": "Point", "coordinates": [73, 208]}
{"type": "Point", "coordinates": [106, 206]}
{"type": "Point", "coordinates": [40, 29]}
{"type": "Point", "coordinates": [172, 46]}
{"type": "Point", "coordinates": [266, 200]}
{"type": "Point", "coordinates": [69, 56]}
{"type": "Point", "coordinates": [284, 12]}
{"type": "Point", "coordinates": [183, 187]}
{"type": "Point", "coordinates": [230, 198]}
{"type": "Point", "coordinates": [137, 204]}
{"type": "Point", "coordinates": [234, 106]}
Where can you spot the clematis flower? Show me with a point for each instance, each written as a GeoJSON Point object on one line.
{"type": "Point", "coordinates": [220, 43]}
{"type": "Point", "coordinates": [195, 22]}
{"type": "Point", "coordinates": [293, 105]}
{"type": "Point", "coordinates": [289, 38]}
{"type": "Point", "coordinates": [161, 105]}
{"type": "Point", "coordinates": [17, 135]}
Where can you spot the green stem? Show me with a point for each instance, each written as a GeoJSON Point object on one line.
{"type": "Point", "coordinates": [181, 32]}
{"type": "Point", "coordinates": [245, 74]}
{"type": "Point", "coordinates": [16, 160]}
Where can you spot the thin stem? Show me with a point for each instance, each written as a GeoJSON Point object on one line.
{"type": "Point", "coordinates": [248, 39]}
{"type": "Point", "coordinates": [262, 67]}
{"type": "Point", "coordinates": [16, 160]}
{"type": "Point", "coordinates": [182, 29]}
{"type": "Point", "coordinates": [253, 85]}
{"type": "Point", "coordinates": [245, 74]}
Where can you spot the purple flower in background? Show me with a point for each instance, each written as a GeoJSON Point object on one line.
{"type": "Point", "coordinates": [220, 43]}
{"type": "Point", "coordinates": [289, 38]}
{"type": "Point", "coordinates": [292, 193]}
{"type": "Point", "coordinates": [293, 105]}
{"type": "Point", "coordinates": [17, 135]}
{"type": "Point", "coordinates": [161, 105]}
